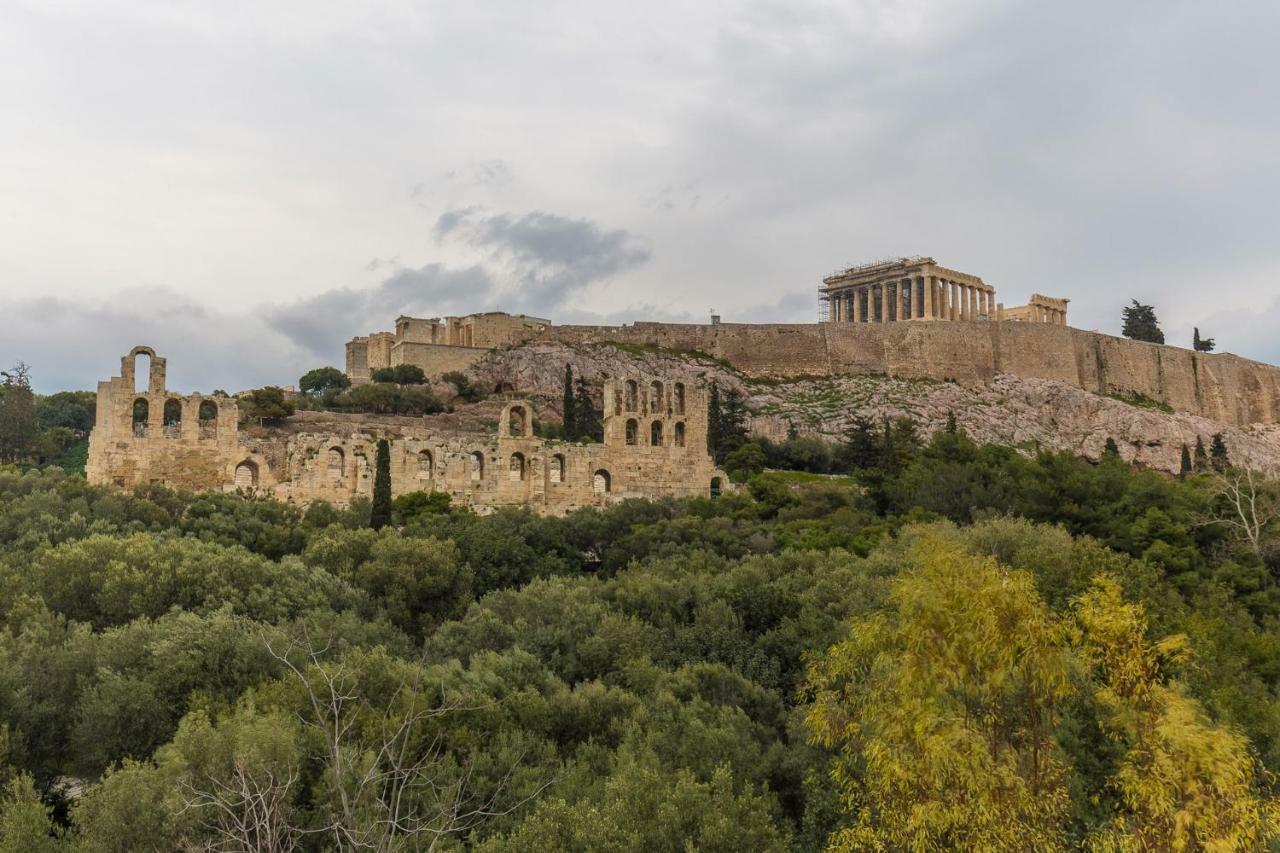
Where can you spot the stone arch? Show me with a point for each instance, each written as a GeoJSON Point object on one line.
{"type": "Point", "coordinates": [633, 431]}
{"type": "Point", "coordinates": [518, 421]}
{"type": "Point", "coordinates": [716, 487]}
{"type": "Point", "coordinates": [148, 373]}
{"type": "Point", "coordinates": [679, 434]}
{"type": "Point", "coordinates": [140, 358]}
{"type": "Point", "coordinates": [655, 434]}
{"type": "Point", "coordinates": [426, 465]}
{"type": "Point", "coordinates": [555, 468]}
{"type": "Point", "coordinates": [477, 465]}
{"type": "Point", "coordinates": [246, 475]}
{"type": "Point", "coordinates": [655, 396]}
{"type": "Point", "coordinates": [677, 392]}
{"type": "Point", "coordinates": [172, 416]}
{"type": "Point", "coordinates": [141, 416]}
{"type": "Point", "coordinates": [336, 467]}
{"type": "Point", "coordinates": [601, 482]}
{"type": "Point", "coordinates": [207, 415]}
{"type": "Point", "coordinates": [632, 394]}
{"type": "Point", "coordinates": [517, 467]}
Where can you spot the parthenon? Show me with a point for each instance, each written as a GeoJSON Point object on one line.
{"type": "Point", "coordinates": [919, 289]}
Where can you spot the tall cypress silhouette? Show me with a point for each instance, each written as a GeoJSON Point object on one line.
{"type": "Point", "coordinates": [380, 513]}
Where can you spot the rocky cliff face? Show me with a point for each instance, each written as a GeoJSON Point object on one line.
{"type": "Point", "coordinates": [1219, 386]}
{"type": "Point", "coordinates": [1007, 409]}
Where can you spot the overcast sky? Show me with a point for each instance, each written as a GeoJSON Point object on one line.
{"type": "Point", "coordinates": [244, 186]}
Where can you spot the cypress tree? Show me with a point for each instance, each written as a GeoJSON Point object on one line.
{"type": "Point", "coordinates": [1218, 457]}
{"type": "Point", "coordinates": [1201, 457]}
{"type": "Point", "coordinates": [713, 419]}
{"type": "Point", "coordinates": [1185, 467]}
{"type": "Point", "coordinates": [888, 455]}
{"type": "Point", "coordinates": [380, 512]}
{"type": "Point", "coordinates": [1200, 344]}
{"type": "Point", "coordinates": [570, 419]}
{"type": "Point", "coordinates": [1111, 450]}
{"type": "Point", "coordinates": [951, 422]}
{"type": "Point", "coordinates": [586, 419]}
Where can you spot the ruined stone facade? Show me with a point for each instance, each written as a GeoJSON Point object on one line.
{"type": "Point", "coordinates": [655, 445]}
{"type": "Point", "coordinates": [438, 345]}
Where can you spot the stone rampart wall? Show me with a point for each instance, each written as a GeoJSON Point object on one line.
{"type": "Point", "coordinates": [1219, 386]}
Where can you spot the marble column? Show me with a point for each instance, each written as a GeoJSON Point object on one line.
{"type": "Point", "coordinates": [906, 304]}
{"type": "Point", "coordinates": [834, 314]}
{"type": "Point", "coordinates": [964, 302]}
{"type": "Point", "coordinates": [928, 297]}
{"type": "Point", "coordinates": [884, 302]}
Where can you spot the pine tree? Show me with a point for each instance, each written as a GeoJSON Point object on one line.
{"type": "Point", "coordinates": [951, 422]}
{"type": "Point", "coordinates": [1201, 457]}
{"type": "Point", "coordinates": [1110, 450]}
{"type": "Point", "coordinates": [1218, 457]}
{"type": "Point", "coordinates": [18, 425]}
{"type": "Point", "coordinates": [570, 419]}
{"type": "Point", "coordinates": [1200, 344]}
{"type": "Point", "coordinates": [380, 512]}
{"type": "Point", "coordinates": [731, 432]}
{"type": "Point", "coordinates": [859, 450]}
{"type": "Point", "coordinates": [1140, 323]}
{"type": "Point", "coordinates": [1185, 467]}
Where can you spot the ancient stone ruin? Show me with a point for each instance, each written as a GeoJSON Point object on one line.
{"type": "Point", "coordinates": [655, 445]}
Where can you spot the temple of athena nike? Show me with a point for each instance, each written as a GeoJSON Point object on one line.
{"type": "Point", "coordinates": [919, 289]}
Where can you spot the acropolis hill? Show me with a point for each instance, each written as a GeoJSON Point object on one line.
{"type": "Point", "coordinates": [902, 338]}
{"type": "Point", "coordinates": [909, 319]}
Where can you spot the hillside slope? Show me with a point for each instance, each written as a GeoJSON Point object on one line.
{"type": "Point", "coordinates": [1010, 410]}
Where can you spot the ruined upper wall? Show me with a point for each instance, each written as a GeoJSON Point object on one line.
{"type": "Point", "coordinates": [1220, 386]}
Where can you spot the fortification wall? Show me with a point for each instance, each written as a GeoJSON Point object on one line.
{"type": "Point", "coordinates": [1219, 386]}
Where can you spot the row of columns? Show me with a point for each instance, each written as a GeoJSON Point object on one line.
{"type": "Point", "coordinates": [1046, 314]}
{"type": "Point", "coordinates": [919, 298]}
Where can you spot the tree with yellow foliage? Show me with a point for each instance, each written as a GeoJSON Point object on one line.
{"type": "Point", "coordinates": [1185, 783]}
{"type": "Point", "coordinates": [943, 710]}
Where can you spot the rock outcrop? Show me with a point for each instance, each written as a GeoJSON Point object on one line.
{"type": "Point", "coordinates": [1006, 409]}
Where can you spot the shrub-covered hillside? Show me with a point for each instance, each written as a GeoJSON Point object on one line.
{"type": "Point", "coordinates": [967, 648]}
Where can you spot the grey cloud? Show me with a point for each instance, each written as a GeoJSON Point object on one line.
{"type": "Point", "coordinates": [73, 344]}
{"type": "Point", "coordinates": [322, 323]}
{"type": "Point", "coordinates": [552, 258]}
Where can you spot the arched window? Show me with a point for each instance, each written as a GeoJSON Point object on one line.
{"type": "Point", "coordinates": [655, 433]}
{"type": "Point", "coordinates": [141, 414]}
{"type": "Point", "coordinates": [555, 468]}
{"type": "Point", "coordinates": [141, 372]}
{"type": "Point", "coordinates": [517, 467]}
{"type": "Point", "coordinates": [601, 483]}
{"type": "Point", "coordinates": [426, 465]}
{"type": "Point", "coordinates": [518, 423]}
{"type": "Point", "coordinates": [208, 416]}
{"type": "Point", "coordinates": [633, 429]}
{"type": "Point", "coordinates": [337, 468]}
{"type": "Point", "coordinates": [246, 475]}
{"type": "Point", "coordinates": [172, 417]}
{"type": "Point", "coordinates": [477, 466]}
{"type": "Point", "coordinates": [633, 394]}
{"type": "Point", "coordinates": [715, 487]}
{"type": "Point", "coordinates": [679, 436]}
{"type": "Point", "coordinates": [678, 393]}
{"type": "Point", "coordinates": [655, 396]}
